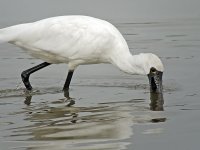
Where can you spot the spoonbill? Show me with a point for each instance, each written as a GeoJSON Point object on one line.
{"type": "Point", "coordinates": [80, 40]}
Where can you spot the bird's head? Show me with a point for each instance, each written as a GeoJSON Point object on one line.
{"type": "Point", "coordinates": [153, 68]}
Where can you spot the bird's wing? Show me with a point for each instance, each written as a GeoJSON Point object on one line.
{"type": "Point", "coordinates": [67, 36]}
{"type": "Point", "coordinates": [53, 37]}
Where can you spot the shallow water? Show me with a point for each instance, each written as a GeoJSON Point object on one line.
{"type": "Point", "coordinates": [112, 110]}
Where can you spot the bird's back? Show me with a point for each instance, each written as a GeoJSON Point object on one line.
{"type": "Point", "coordinates": [66, 38]}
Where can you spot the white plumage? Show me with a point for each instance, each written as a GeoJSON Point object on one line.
{"type": "Point", "coordinates": [78, 40]}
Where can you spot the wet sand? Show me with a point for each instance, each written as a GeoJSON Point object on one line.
{"type": "Point", "coordinates": [112, 110]}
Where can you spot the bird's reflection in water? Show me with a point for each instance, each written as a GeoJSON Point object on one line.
{"type": "Point", "coordinates": [157, 101]}
{"type": "Point", "coordinates": [156, 104]}
{"type": "Point", "coordinates": [107, 121]}
{"type": "Point", "coordinates": [89, 125]}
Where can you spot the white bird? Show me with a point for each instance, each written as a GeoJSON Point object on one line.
{"type": "Point", "coordinates": [80, 40]}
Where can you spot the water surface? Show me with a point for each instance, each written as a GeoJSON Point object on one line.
{"type": "Point", "coordinates": [112, 110]}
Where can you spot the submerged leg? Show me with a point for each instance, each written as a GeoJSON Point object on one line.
{"type": "Point", "coordinates": [25, 74]}
{"type": "Point", "coordinates": [68, 80]}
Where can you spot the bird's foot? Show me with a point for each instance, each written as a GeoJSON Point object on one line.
{"type": "Point", "coordinates": [68, 98]}
{"type": "Point", "coordinates": [71, 102]}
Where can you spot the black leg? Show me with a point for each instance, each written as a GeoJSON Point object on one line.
{"type": "Point", "coordinates": [68, 80]}
{"type": "Point", "coordinates": [25, 74]}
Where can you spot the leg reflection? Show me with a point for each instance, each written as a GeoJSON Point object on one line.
{"type": "Point", "coordinates": [74, 117]}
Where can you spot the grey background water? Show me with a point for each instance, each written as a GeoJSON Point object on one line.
{"type": "Point", "coordinates": [113, 109]}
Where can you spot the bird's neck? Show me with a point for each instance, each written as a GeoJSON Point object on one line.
{"type": "Point", "coordinates": [128, 63]}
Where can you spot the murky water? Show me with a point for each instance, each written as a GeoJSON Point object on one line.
{"type": "Point", "coordinates": [112, 110]}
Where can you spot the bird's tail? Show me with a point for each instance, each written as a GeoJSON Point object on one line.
{"type": "Point", "coordinates": [1, 36]}
{"type": "Point", "coordinates": [5, 35]}
{"type": "Point", "coordinates": [9, 34]}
